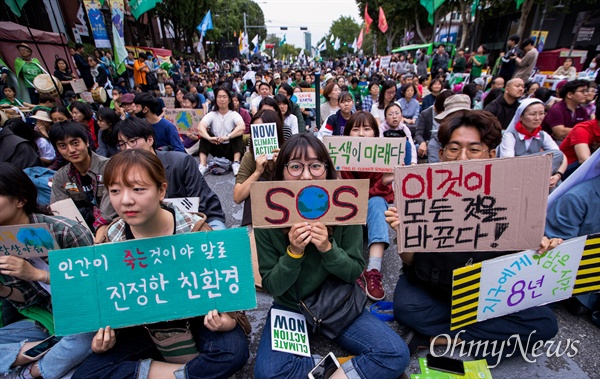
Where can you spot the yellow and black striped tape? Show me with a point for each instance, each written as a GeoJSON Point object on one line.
{"type": "Point", "coordinates": [465, 296]}
{"type": "Point", "coordinates": [588, 275]}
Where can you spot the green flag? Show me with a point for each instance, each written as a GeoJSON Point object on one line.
{"type": "Point", "coordinates": [432, 6]}
{"type": "Point", "coordinates": [474, 7]}
{"type": "Point", "coordinates": [519, 3]}
{"type": "Point", "coordinates": [120, 52]}
{"type": "Point", "coordinates": [282, 41]}
{"type": "Point", "coordinates": [262, 46]}
{"type": "Point", "coordinates": [16, 6]}
{"type": "Point", "coordinates": [139, 7]}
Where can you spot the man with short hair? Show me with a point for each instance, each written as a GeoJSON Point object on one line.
{"type": "Point", "coordinates": [129, 62]}
{"type": "Point", "coordinates": [167, 137]}
{"type": "Point", "coordinates": [81, 179]}
{"type": "Point", "coordinates": [526, 64]}
{"type": "Point", "coordinates": [264, 90]}
{"type": "Point", "coordinates": [183, 177]}
{"type": "Point", "coordinates": [82, 65]}
{"type": "Point", "coordinates": [439, 65]}
{"type": "Point", "coordinates": [565, 114]}
{"type": "Point", "coordinates": [497, 82]}
{"type": "Point", "coordinates": [508, 60]}
{"type": "Point", "coordinates": [17, 150]}
{"type": "Point", "coordinates": [505, 107]}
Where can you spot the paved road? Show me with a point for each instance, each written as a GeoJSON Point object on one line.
{"type": "Point", "coordinates": [585, 364]}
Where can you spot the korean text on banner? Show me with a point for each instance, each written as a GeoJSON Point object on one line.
{"type": "Point", "coordinates": [281, 204]}
{"type": "Point", "coordinates": [366, 154]}
{"type": "Point", "coordinates": [26, 241]}
{"type": "Point", "coordinates": [97, 23]}
{"type": "Point", "coordinates": [476, 205]}
{"type": "Point", "coordinates": [150, 280]}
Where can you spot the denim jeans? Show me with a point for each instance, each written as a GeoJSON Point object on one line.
{"type": "Point", "coordinates": [377, 228]}
{"type": "Point", "coordinates": [65, 355]}
{"type": "Point", "coordinates": [421, 311]}
{"type": "Point", "coordinates": [221, 355]}
{"type": "Point", "coordinates": [217, 224]}
{"type": "Point", "coordinates": [380, 352]}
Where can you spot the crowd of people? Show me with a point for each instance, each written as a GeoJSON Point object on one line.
{"type": "Point", "coordinates": [120, 159]}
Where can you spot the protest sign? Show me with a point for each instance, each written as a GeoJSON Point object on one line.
{"type": "Point", "coordinates": [474, 205]}
{"type": "Point", "coordinates": [78, 85]}
{"type": "Point", "coordinates": [385, 61]}
{"type": "Point", "coordinates": [280, 204]}
{"type": "Point", "coordinates": [306, 99]}
{"type": "Point", "coordinates": [515, 282]}
{"type": "Point", "coordinates": [366, 154]}
{"type": "Point", "coordinates": [26, 241]}
{"type": "Point", "coordinates": [68, 209]}
{"type": "Point", "coordinates": [169, 102]}
{"type": "Point", "coordinates": [288, 333]}
{"type": "Point", "coordinates": [183, 118]}
{"type": "Point", "coordinates": [87, 97]}
{"type": "Point", "coordinates": [150, 280]}
{"type": "Point", "coordinates": [264, 139]}
{"type": "Point", "coordinates": [186, 204]}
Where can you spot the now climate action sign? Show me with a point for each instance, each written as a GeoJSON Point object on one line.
{"type": "Point", "coordinates": [150, 280]}
{"type": "Point", "coordinates": [264, 139]}
{"type": "Point", "coordinates": [288, 332]}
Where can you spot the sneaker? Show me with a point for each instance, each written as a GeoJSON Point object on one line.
{"type": "Point", "coordinates": [374, 286]}
{"type": "Point", "coordinates": [202, 169]}
{"type": "Point", "coordinates": [417, 341]}
{"type": "Point", "coordinates": [235, 166]}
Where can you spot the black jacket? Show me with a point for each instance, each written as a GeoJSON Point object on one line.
{"type": "Point", "coordinates": [18, 151]}
{"type": "Point", "coordinates": [503, 111]}
{"type": "Point", "coordinates": [184, 180]}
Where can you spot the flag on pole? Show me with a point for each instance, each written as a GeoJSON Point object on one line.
{"type": "Point", "coordinates": [139, 7]}
{"type": "Point", "coordinates": [336, 44]}
{"type": "Point", "coordinates": [263, 46]}
{"type": "Point", "coordinates": [206, 24]}
{"type": "Point", "coordinates": [368, 19]}
{"type": "Point", "coordinates": [354, 44]}
{"type": "Point", "coordinates": [331, 38]}
{"type": "Point", "coordinates": [360, 40]}
{"type": "Point", "coordinates": [432, 6]}
{"type": "Point", "coordinates": [120, 52]}
{"type": "Point", "coordinates": [519, 3]}
{"type": "Point", "coordinates": [16, 6]}
{"type": "Point", "coordinates": [383, 26]}
{"type": "Point", "coordinates": [282, 42]}
{"type": "Point", "coordinates": [322, 46]}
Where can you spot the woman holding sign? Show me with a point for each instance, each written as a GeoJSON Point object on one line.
{"type": "Point", "coordinates": [25, 285]}
{"type": "Point", "coordinates": [213, 346]}
{"type": "Point", "coordinates": [295, 262]}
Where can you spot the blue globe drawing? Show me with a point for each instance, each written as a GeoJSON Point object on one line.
{"type": "Point", "coordinates": [313, 202]}
{"type": "Point", "coordinates": [184, 120]}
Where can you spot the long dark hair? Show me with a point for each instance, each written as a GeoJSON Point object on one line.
{"type": "Point", "coordinates": [111, 117]}
{"type": "Point", "coordinates": [215, 107]}
{"type": "Point", "coordinates": [297, 147]}
{"type": "Point", "coordinates": [16, 184]}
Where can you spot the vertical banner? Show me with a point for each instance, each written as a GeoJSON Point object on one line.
{"type": "Point", "coordinates": [97, 23]}
{"type": "Point", "coordinates": [116, 13]}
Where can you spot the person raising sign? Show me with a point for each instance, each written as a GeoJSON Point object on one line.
{"type": "Point", "coordinates": [294, 262]}
{"type": "Point", "coordinates": [137, 183]}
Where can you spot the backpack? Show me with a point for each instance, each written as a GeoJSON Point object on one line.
{"type": "Point", "coordinates": [40, 176]}
{"type": "Point", "coordinates": [219, 166]}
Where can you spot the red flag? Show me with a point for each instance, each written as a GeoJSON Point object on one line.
{"type": "Point", "coordinates": [383, 26]}
{"type": "Point", "coordinates": [360, 40]}
{"type": "Point", "coordinates": [368, 19]}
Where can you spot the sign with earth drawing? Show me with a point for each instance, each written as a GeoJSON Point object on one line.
{"type": "Point", "coordinates": [332, 202]}
{"type": "Point", "coordinates": [184, 118]}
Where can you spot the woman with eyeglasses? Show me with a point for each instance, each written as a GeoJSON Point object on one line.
{"type": "Point", "coordinates": [296, 261]}
{"type": "Point", "coordinates": [387, 95]}
{"type": "Point", "coordinates": [524, 136]}
{"type": "Point", "coordinates": [336, 123]}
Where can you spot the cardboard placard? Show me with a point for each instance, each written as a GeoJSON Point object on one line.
{"type": "Point", "coordinates": [184, 118]}
{"type": "Point", "coordinates": [280, 204]}
{"type": "Point", "coordinates": [289, 333]}
{"type": "Point", "coordinates": [87, 97]}
{"type": "Point", "coordinates": [185, 204]}
{"type": "Point", "coordinates": [264, 139]}
{"type": "Point", "coordinates": [150, 280]}
{"type": "Point", "coordinates": [474, 205]}
{"type": "Point", "coordinates": [384, 62]}
{"type": "Point", "coordinates": [26, 241]}
{"type": "Point", "coordinates": [306, 99]}
{"type": "Point", "coordinates": [78, 85]}
{"type": "Point", "coordinates": [169, 102]}
{"type": "Point", "coordinates": [515, 282]}
{"type": "Point", "coordinates": [68, 209]}
{"type": "Point", "coordinates": [366, 154]}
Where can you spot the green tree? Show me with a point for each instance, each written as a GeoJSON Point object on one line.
{"type": "Point", "coordinates": [344, 28]}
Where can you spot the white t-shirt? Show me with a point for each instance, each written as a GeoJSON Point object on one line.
{"type": "Point", "coordinates": [221, 125]}
{"type": "Point", "coordinates": [292, 122]}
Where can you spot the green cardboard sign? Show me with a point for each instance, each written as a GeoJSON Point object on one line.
{"type": "Point", "coordinates": [150, 280]}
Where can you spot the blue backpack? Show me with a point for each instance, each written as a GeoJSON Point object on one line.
{"type": "Point", "coordinates": [41, 176]}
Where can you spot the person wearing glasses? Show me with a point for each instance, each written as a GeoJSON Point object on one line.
{"type": "Point", "coordinates": [183, 177]}
{"type": "Point", "coordinates": [296, 261]}
{"type": "Point", "coordinates": [565, 114]}
{"type": "Point", "coordinates": [82, 178]}
{"type": "Point", "coordinates": [387, 95]}
{"type": "Point", "coordinates": [422, 298]}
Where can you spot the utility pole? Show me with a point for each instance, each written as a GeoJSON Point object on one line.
{"type": "Point", "coordinates": [247, 37]}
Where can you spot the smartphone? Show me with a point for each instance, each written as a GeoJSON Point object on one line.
{"type": "Point", "coordinates": [326, 367]}
{"type": "Point", "coordinates": [451, 365]}
{"type": "Point", "coordinates": [42, 348]}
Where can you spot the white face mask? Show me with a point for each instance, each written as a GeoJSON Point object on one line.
{"type": "Point", "coordinates": [593, 65]}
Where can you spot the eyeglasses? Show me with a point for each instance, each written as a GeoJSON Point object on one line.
{"type": "Point", "coordinates": [583, 91]}
{"type": "Point", "coordinates": [296, 169]}
{"type": "Point", "coordinates": [394, 114]}
{"type": "Point", "coordinates": [131, 142]}
{"type": "Point", "coordinates": [473, 152]}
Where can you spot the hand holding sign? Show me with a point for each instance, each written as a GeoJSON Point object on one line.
{"type": "Point", "coordinates": [20, 268]}
{"type": "Point", "coordinates": [218, 322]}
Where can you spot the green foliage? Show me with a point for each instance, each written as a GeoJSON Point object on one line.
{"type": "Point", "coordinates": [344, 28]}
